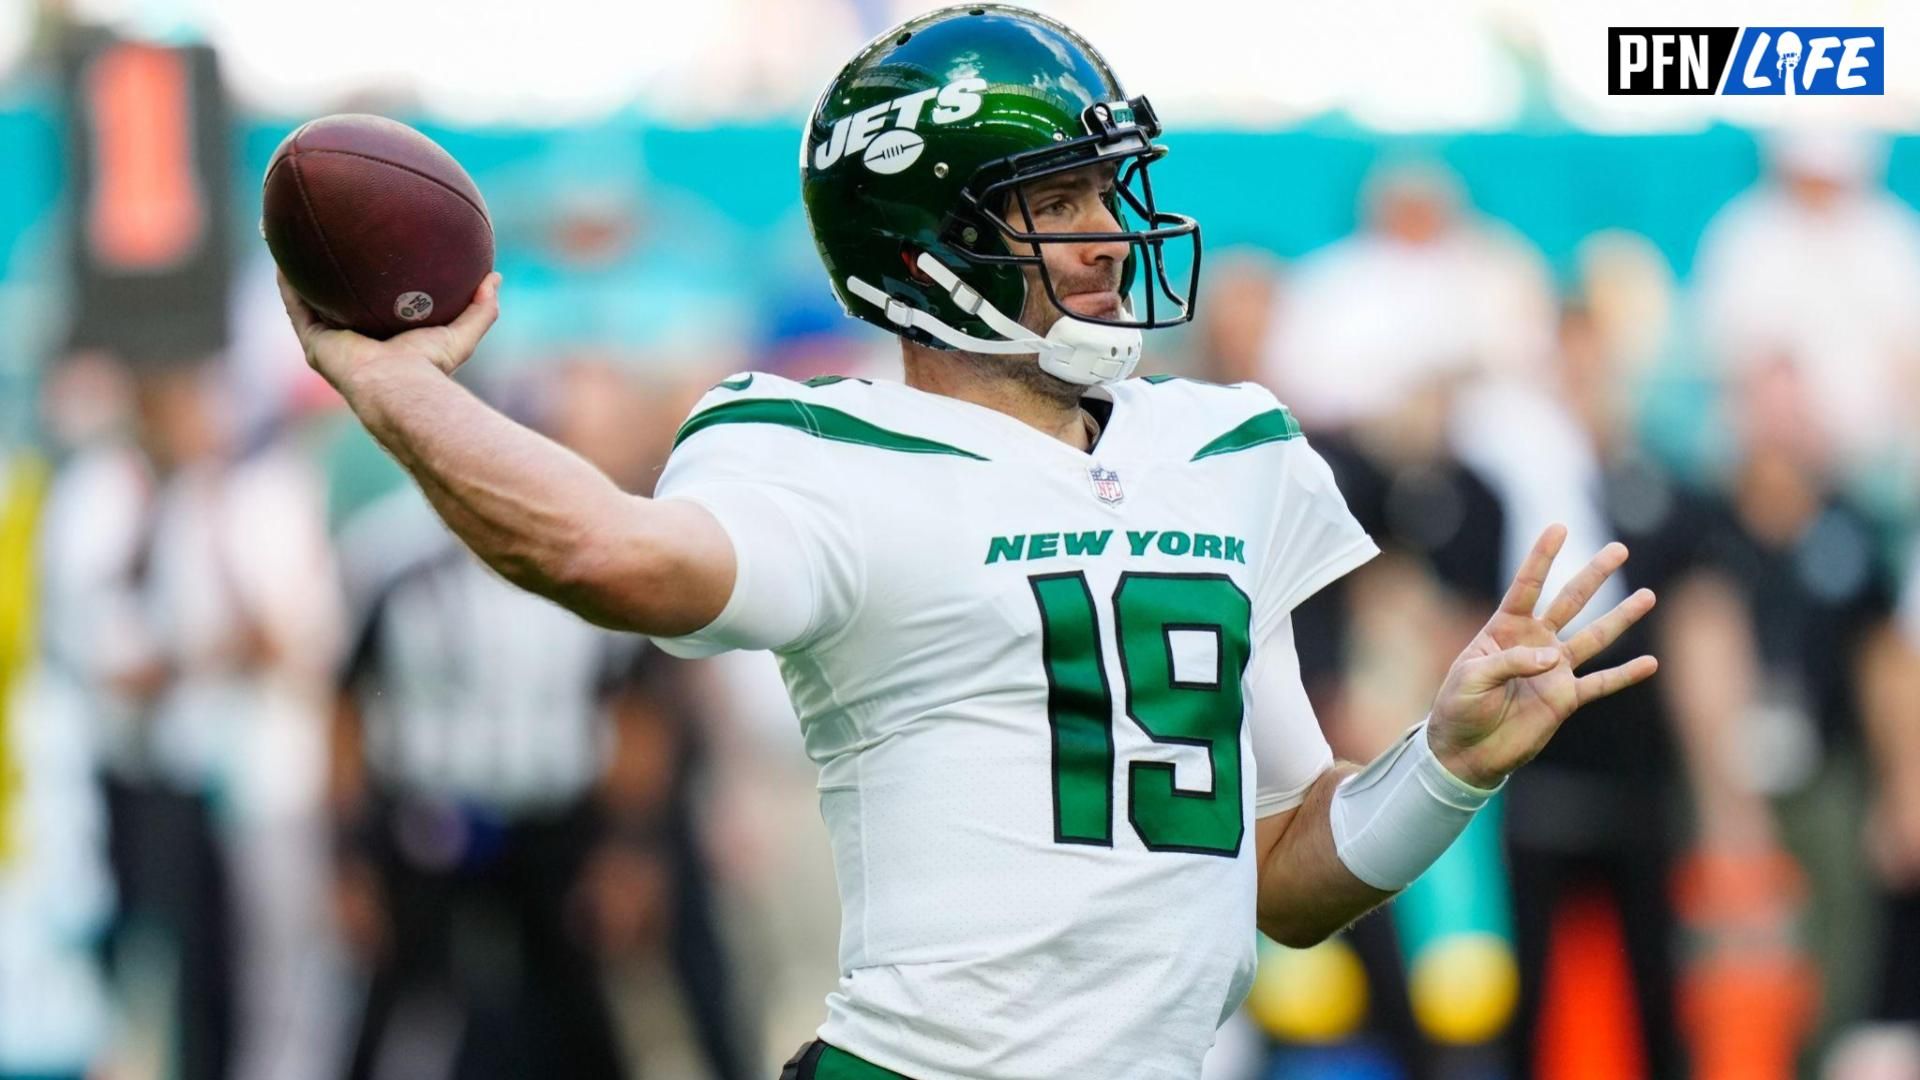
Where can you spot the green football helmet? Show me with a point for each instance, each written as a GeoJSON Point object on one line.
{"type": "Point", "coordinates": [917, 154]}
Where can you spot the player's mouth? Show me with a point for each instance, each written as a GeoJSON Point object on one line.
{"type": "Point", "coordinates": [1099, 303]}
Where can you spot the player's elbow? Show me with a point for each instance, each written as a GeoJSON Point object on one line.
{"type": "Point", "coordinates": [611, 577]}
{"type": "Point", "coordinates": [636, 569]}
{"type": "Point", "coordinates": [1297, 933]}
{"type": "Point", "coordinates": [1304, 938]}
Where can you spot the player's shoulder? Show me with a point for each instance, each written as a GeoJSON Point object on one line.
{"type": "Point", "coordinates": [1198, 419]}
{"type": "Point", "coordinates": [833, 414]}
{"type": "Point", "coordinates": [831, 391]}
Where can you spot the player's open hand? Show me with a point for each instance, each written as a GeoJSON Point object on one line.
{"type": "Point", "coordinates": [1514, 685]}
{"type": "Point", "coordinates": [341, 355]}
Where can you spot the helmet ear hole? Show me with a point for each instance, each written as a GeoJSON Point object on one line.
{"type": "Point", "coordinates": [910, 255]}
{"type": "Point", "coordinates": [970, 233]}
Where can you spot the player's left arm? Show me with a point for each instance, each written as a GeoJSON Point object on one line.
{"type": "Point", "coordinates": [1359, 836]}
{"type": "Point", "coordinates": [1306, 892]}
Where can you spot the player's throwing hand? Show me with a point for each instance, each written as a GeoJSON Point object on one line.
{"type": "Point", "coordinates": [340, 355]}
{"type": "Point", "coordinates": [1514, 684]}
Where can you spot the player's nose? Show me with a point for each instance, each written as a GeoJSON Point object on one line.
{"type": "Point", "coordinates": [1100, 219]}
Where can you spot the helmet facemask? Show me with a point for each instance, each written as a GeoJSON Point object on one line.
{"type": "Point", "coordinates": [1121, 133]}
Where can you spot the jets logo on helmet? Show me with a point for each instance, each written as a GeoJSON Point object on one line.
{"type": "Point", "coordinates": [863, 130]}
{"type": "Point", "coordinates": [932, 237]}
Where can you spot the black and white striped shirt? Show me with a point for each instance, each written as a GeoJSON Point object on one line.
{"type": "Point", "coordinates": [468, 687]}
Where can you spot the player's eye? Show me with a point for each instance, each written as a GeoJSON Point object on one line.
{"type": "Point", "coordinates": [1053, 206]}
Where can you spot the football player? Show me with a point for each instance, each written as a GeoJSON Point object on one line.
{"type": "Point", "coordinates": [1032, 613]}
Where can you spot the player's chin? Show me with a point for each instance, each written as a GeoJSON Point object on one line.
{"type": "Point", "coordinates": [1103, 304]}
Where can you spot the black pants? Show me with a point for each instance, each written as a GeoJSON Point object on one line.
{"type": "Point", "coordinates": [171, 877]}
{"type": "Point", "coordinates": [805, 1063]}
{"type": "Point", "coordinates": [700, 962]}
{"type": "Point", "coordinates": [1899, 994]}
{"type": "Point", "coordinates": [485, 977]}
{"type": "Point", "coordinates": [1627, 859]}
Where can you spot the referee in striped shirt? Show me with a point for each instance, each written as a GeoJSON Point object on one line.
{"type": "Point", "coordinates": [510, 789]}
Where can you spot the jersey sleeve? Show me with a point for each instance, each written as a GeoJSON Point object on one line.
{"type": "Point", "coordinates": [798, 574]}
{"type": "Point", "coordinates": [1315, 538]}
{"type": "Point", "coordinates": [1289, 749]}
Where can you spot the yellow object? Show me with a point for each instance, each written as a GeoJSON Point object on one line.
{"type": "Point", "coordinates": [1315, 996]}
{"type": "Point", "coordinates": [20, 496]}
{"type": "Point", "coordinates": [1464, 987]}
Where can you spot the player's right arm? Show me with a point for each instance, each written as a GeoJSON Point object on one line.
{"type": "Point", "coordinates": [540, 515]}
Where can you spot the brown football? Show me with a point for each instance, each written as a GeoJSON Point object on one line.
{"type": "Point", "coordinates": [377, 228]}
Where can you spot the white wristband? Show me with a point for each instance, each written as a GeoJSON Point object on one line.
{"type": "Point", "coordinates": [1392, 819]}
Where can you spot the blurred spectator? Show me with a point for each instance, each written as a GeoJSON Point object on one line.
{"type": "Point", "coordinates": [1592, 815]}
{"type": "Point", "coordinates": [1783, 667]}
{"type": "Point", "coordinates": [1243, 305]}
{"type": "Point", "coordinates": [22, 487]}
{"type": "Point", "coordinates": [1893, 836]}
{"type": "Point", "coordinates": [188, 607]}
{"type": "Point", "coordinates": [53, 882]}
{"type": "Point", "coordinates": [1425, 292]}
{"type": "Point", "coordinates": [1665, 390]}
{"type": "Point", "coordinates": [1821, 264]}
{"type": "Point", "coordinates": [1374, 643]}
{"type": "Point", "coordinates": [511, 787]}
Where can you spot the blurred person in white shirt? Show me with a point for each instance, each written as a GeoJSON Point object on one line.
{"type": "Point", "coordinates": [190, 607]}
{"type": "Point", "coordinates": [54, 893]}
{"type": "Point", "coordinates": [1819, 262]}
{"type": "Point", "coordinates": [1425, 291]}
{"type": "Point", "coordinates": [1432, 313]}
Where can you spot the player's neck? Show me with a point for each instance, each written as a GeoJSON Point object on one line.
{"type": "Point", "coordinates": [1011, 385]}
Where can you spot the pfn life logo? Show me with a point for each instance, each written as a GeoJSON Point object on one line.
{"type": "Point", "coordinates": [1789, 61]}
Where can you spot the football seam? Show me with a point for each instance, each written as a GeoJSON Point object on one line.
{"type": "Point", "coordinates": [428, 177]}
{"type": "Point", "coordinates": [320, 230]}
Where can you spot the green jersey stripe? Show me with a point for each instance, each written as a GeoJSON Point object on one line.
{"type": "Point", "coordinates": [1274, 425]}
{"type": "Point", "coordinates": [818, 421]}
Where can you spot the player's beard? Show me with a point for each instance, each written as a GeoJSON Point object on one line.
{"type": "Point", "coordinates": [1038, 314]}
{"type": "Point", "coordinates": [1024, 372]}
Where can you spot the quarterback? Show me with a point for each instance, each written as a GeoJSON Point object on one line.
{"type": "Point", "coordinates": [1033, 613]}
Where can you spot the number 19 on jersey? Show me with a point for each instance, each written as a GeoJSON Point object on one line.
{"type": "Point", "coordinates": [1149, 610]}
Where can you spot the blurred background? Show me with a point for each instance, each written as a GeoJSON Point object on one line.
{"type": "Point", "coordinates": [291, 787]}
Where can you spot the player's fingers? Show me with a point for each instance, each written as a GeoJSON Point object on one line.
{"type": "Point", "coordinates": [473, 323]}
{"type": "Point", "coordinates": [1524, 593]}
{"type": "Point", "coordinates": [1594, 638]}
{"type": "Point", "coordinates": [1591, 688]}
{"type": "Point", "coordinates": [304, 322]}
{"type": "Point", "coordinates": [1575, 594]}
{"type": "Point", "coordinates": [1522, 661]}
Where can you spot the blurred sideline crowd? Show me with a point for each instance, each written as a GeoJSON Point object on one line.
{"type": "Point", "coordinates": [292, 787]}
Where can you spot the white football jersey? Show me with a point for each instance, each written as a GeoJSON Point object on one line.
{"type": "Point", "coordinates": [1036, 681]}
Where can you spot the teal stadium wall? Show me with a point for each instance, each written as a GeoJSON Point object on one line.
{"type": "Point", "coordinates": [1288, 191]}
{"type": "Point", "coordinates": [728, 195]}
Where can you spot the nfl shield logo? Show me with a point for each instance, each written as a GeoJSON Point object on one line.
{"type": "Point", "coordinates": [1106, 485]}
